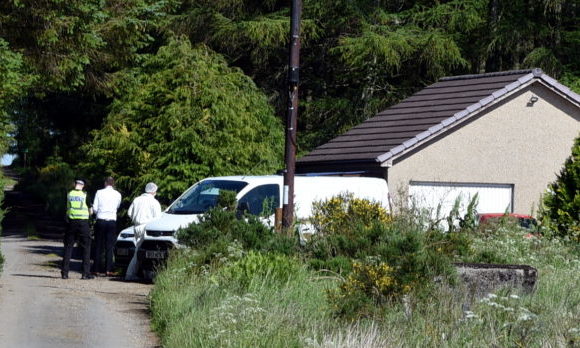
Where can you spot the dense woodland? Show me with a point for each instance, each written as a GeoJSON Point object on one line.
{"type": "Point", "coordinates": [176, 90]}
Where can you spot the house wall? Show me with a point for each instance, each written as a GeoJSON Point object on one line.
{"type": "Point", "coordinates": [510, 143]}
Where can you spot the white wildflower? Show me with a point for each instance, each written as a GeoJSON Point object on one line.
{"type": "Point", "coordinates": [310, 342]}
{"type": "Point", "coordinates": [470, 315]}
{"type": "Point", "coordinates": [525, 316]}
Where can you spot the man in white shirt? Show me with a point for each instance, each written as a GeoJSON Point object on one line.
{"type": "Point", "coordinates": [144, 209]}
{"type": "Point", "coordinates": [105, 205]}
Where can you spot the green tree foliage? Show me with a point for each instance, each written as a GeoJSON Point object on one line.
{"type": "Point", "coordinates": [73, 49]}
{"type": "Point", "coordinates": [361, 56]}
{"type": "Point", "coordinates": [74, 44]}
{"type": "Point", "coordinates": [184, 116]}
{"type": "Point", "coordinates": [562, 201]}
{"type": "Point", "coordinates": [14, 82]}
{"type": "Point", "coordinates": [358, 56]}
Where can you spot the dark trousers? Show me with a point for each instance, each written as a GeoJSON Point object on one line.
{"type": "Point", "coordinates": [105, 235]}
{"type": "Point", "coordinates": [77, 230]}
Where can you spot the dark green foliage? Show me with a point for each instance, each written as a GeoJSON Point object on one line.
{"type": "Point", "coordinates": [63, 60]}
{"type": "Point", "coordinates": [562, 201]}
{"type": "Point", "coordinates": [52, 183]}
{"type": "Point", "coordinates": [408, 248]}
{"type": "Point", "coordinates": [14, 82]}
{"type": "Point", "coordinates": [275, 269]}
{"type": "Point", "coordinates": [77, 43]}
{"type": "Point", "coordinates": [361, 56]}
{"type": "Point", "coordinates": [227, 200]}
{"type": "Point", "coordinates": [70, 64]}
{"type": "Point", "coordinates": [184, 116]}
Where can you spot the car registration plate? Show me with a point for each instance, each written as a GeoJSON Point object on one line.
{"type": "Point", "coordinates": [154, 254]}
{"type": "Point", "coordinates": [122, 251]}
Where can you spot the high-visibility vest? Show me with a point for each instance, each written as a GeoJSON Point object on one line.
{"type": "Point", "coordinates": [77, 208]}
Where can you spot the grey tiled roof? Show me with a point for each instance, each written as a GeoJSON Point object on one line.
{"type": "Point", "coordinates": [428, 112]}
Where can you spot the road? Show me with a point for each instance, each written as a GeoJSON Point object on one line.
{"type": "Point", "coordinates": [39, 309]}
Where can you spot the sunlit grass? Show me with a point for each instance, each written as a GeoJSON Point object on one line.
{"type": "Point", "coordinates": [199, 309]}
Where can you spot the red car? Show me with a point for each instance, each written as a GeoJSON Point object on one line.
{"type": "Point", "coordinates": [525, 221]}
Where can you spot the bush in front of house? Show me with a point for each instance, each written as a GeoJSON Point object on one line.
{"type": "Point", "coordinates": [380, 257]}
{"type": "Point", "coordinates": [561, 208]}
{"type": "Point", "coordinates": [342, 213]}
{"type": "Point", "coordinates": [222, 230]}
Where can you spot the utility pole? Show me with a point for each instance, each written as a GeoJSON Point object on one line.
{"type": "Point", "coordinates": [292, 115]}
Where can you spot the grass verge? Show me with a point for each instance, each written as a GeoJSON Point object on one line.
{"type": "Point", "coordinates": [198, 310]}
{"type": "Point", "coordinates": [239, 285]}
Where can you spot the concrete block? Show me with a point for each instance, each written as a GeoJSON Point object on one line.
{"type": "Point", "coordinates": [480, 279]}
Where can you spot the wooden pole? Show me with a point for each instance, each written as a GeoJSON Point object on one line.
{"type": "Point", "coordinates": [292, 115]}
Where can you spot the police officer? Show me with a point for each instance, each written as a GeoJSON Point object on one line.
{"type": "Point", "coordinates": [78, 228]}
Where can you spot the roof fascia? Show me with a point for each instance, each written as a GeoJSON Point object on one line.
{"type": "Point", "coordinates": [471, 111]}
{"type": "Point", "coordinates": [560, 89]}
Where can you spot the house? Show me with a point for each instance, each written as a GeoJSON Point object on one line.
{"type": "Point", "coordinates": [502, 135]}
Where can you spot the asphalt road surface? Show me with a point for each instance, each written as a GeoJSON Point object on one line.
{"type": "Point", "coordinates": [39, 309]}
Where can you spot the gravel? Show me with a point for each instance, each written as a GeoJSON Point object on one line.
{"type": "Point", "coordinates": [39, 309]}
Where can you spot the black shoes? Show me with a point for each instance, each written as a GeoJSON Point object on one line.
{"type": "Point", "coordinates": [63, 275]}
{"type": "Point", "coordinates": [88, 276]}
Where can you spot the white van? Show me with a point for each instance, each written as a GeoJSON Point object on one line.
{"type": "Point", "coordinates": [254, 193]}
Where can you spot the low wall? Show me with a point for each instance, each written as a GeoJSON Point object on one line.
{"type": "Point", "coordinates": [480, 279]}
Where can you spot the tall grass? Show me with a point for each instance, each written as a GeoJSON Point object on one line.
{"type": "Point", "coordinates": [262, 299]}
{"type": "Point", "coordinates": [197, 310]}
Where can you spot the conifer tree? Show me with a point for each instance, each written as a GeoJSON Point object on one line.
{"type": "Point", "coordinates": [562, 202]}
{"type": "Point", "coordinates": [183, 116]}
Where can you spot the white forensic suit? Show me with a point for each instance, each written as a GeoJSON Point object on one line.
{"type": "Point", "coordinates": [144, 209]}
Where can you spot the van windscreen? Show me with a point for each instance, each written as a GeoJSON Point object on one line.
{"type": "Point", "coordinates": [203, 196]}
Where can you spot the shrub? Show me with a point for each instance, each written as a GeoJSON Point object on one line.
{"type": "Point", "coordinates": [369, 285]}
{"type": "Point", "coordinates": [404, 244]}
{"type": "Point", "coordinates": [393, 255]}
{"type": "Point", "coordinates": [340, 214]}
{"type": "Point", "coordinates": [562, 201]}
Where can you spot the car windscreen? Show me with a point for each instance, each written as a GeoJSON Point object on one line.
{"type": "Point", "coordinates": [203, 196]}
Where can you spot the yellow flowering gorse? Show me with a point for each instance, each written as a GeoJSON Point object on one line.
{"type": "Point", "coordinates": [336, 214]}
{"type": "Point", "coordinates": [376, 282]}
